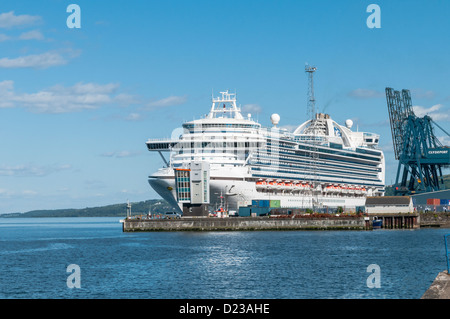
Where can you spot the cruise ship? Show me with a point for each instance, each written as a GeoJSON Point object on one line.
{"type": "Point", "coordinates": [228, 155]}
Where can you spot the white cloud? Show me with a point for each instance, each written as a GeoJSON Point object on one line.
{"type": "Point", "coordinates": [37, 61]}
{"type": "Point", "coordinates": [5, 192]}
{"type": "Point", "coordinates": [121, 154]}
{"type": "Point", "coordinates": [365, 94]}
{"type": "Point", "coordinates": [251, 108]}
{"type": "Point", "coordinates": [94, 184]}
{"type": "Point", "coordinates": [89, 88]}
{"type": "Point", "coordinates": [60, 99]}
{"type": "Point", "coordinates": [133, 117]}
{"type": "Point", "coordinates": [432, 111]}
{"type": "Point", "coordinates": [10, 20]}
{"type": "Point", "coordinates": [387, 148]}
{"type": "Point", "coordinates": [422, 94]}
{"type": "Point", "coordinates": [168, 101]}
{"type": "Point", "coordinates": [126, 99]}
{"type": "Point", "coordinates": [27, 170]}
{"type": "Point", "coordinates": [6, 94]}
{"type": "Point", "coordinates": [445, 140]}
{"type": "Point", "coordinates": [29, 192]}
{"type": "Point", "coordinates": [32, 35]}
{"type": "Point", "coordinates": [4, 37]}
{"type": "Point", "coordinates": [78, 97]}
{"type": "Point", "coordinates": [289, 127]}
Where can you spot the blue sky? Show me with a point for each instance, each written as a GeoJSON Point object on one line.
{"type": "Point", "coordinates": [77, 105]}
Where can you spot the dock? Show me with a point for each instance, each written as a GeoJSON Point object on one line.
{"type": "Point", "coordinates": [399, 221]}
{"type": "Point", "coordinates": [286, 222]}
{"type": "Point", "coordinates": [435, 219]}
{"type": "Point", "coordinates": [244, 224]}
{"type": "Point", "coordinates": [440, 288]}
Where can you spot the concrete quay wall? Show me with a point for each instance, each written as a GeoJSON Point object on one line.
{"type": "Point", "coordinates": [244, 223]}
{"type": "Point", "coordinates": [440, 288]}
{"type": "Point", "coordinates": [433, 219]}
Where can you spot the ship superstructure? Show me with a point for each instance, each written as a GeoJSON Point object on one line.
{"type": "Point", "coordinates": [320, 164]}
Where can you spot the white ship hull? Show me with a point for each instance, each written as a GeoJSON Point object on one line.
{"type": "Point", "coordinates": [240, 193]}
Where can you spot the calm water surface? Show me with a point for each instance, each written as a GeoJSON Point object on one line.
{"type": "Point", "coordinates": [35, 254]}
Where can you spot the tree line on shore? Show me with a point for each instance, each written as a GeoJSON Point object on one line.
{"type": "Point", "coordinates": [155, 206]}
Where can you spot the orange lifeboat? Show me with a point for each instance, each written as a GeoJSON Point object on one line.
{"type": "Point", "coordinates": [260, 184]}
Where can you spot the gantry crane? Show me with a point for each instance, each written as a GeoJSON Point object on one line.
{"type": "Point", "coordinates": [420, 154]}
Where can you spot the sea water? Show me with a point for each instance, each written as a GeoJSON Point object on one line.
{"type": "Point", "coordinates": [35, 255]}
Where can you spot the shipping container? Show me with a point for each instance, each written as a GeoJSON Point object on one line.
{"type": "Point", "coordinates": [444, 201]}
{"type": "Point", "coordinates": [244, 211]}
{"type": "Point", "coordinates": [253, 210]}
{"type": "Point", "coordinates": [264, 203]}
{"type": "Point", "coordinates": [275, 203]}
{"type": "Point", "coordinates": [260, 210]}
{"type": "Point", "coordinates": [436, 201]}
{"type": "Point", "coordinates": [433, 201]}
{"type": "Point", "coordinates": [260, 203]}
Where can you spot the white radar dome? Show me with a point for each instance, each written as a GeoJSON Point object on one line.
{"type": "Point", "coordinates": [275, 119]}
{"type": "Point", "coordinates": [349, 123]}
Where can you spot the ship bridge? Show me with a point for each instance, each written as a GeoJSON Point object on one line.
{"type": "Point", "coordinates": [224, 132]}
{"type": "Point", "coordinates": [225, 106]}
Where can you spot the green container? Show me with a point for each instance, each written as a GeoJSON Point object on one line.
{"type": "Point", "coordinates": [275, 203]}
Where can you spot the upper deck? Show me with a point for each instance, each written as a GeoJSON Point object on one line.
{"type": "Point", "coordinates": [225, 126]}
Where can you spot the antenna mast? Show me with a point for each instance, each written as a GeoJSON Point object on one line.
{"type": "Point", "coordinates": [311, 100]}
{"type": "Point", "coordinates": [313, 131]}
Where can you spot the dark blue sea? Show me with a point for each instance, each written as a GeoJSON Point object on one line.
{"type": "Point", "coordinates": [35, 254]}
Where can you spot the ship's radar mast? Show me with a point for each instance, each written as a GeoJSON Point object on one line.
{"type": "Point", "coordinates": [225, 106]}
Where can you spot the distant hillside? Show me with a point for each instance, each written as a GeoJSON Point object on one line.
{"type": "Point", "coordinates": [390, 188]}
{"type": "Point", "coordinates": [156, 206]}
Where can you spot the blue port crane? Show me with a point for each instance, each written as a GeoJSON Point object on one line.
{"type": "Point", "coordinates": [420, 154]}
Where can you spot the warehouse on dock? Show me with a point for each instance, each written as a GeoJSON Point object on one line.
{"type": "Point", "coordinates": [389, 205]}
